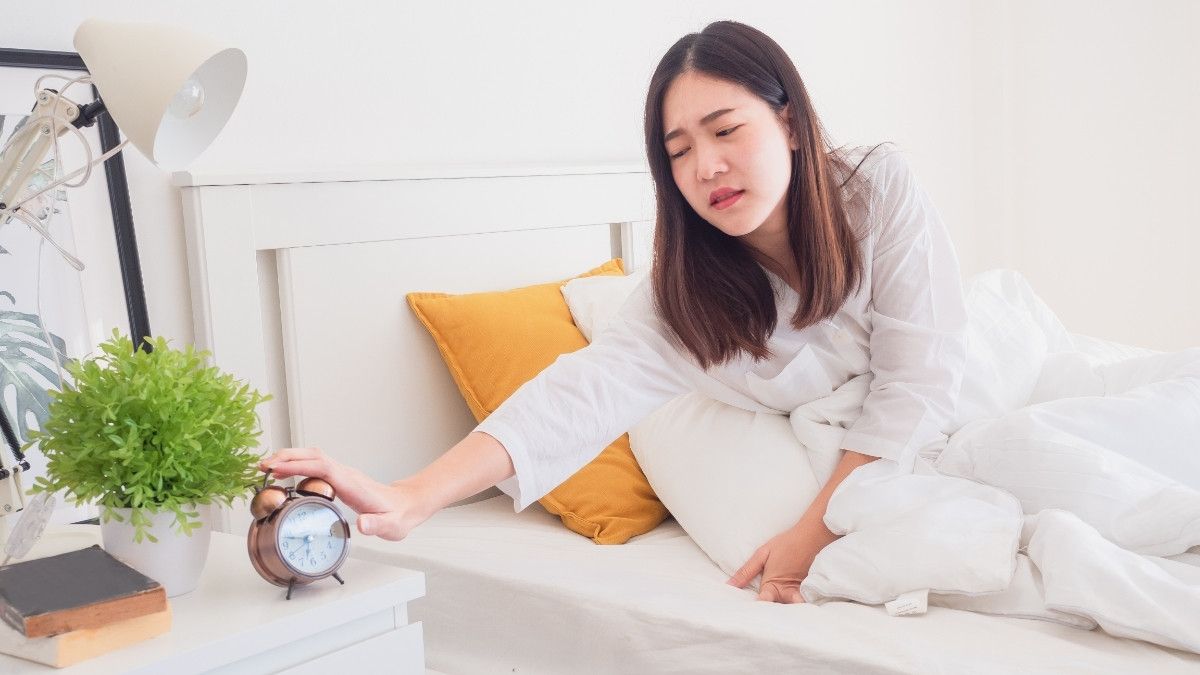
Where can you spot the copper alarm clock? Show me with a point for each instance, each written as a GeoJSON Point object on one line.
{"type": "Point", "coordinates": [298, 536]}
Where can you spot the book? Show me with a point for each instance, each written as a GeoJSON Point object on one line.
{"type": "Point", "coordinates": [77, 590]}
{"type": "Point", "coordinates": [66, 649]}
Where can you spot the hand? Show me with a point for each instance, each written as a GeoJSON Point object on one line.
{"type": "Point", "coordinates": [386, 511]}
{"type": "Point", "coordinates": [784, 561]}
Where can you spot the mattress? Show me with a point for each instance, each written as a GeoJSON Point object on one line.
{"type": "Point", "coordinates": [518, 593]}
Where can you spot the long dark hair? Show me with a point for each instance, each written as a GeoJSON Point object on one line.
{"type": "Point", "coordinates": [708, 288]}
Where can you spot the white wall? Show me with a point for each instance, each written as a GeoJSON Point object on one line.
{"type": "Point", "coordinates": [1014, 114]}
{"type": "Point", "coordinates": [1105, 220]}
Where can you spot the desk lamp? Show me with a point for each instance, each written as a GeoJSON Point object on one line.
{"type": "Point", "coordinates": [171, 92]}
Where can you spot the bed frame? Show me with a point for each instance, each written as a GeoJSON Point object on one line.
{"type": "Point", "coordinates": [298, 283]}
{"type": "Point", "coordinates": [298, 286]}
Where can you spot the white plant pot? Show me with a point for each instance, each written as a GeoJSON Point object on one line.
{"type": "Point", "coordinates": [175, 560]}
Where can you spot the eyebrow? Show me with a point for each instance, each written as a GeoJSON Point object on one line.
{"type": "Point", "coordinates": [703, 120]}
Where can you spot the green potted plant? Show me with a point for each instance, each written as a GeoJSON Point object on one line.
{"type": "Point", "coordinates": [153, 438]}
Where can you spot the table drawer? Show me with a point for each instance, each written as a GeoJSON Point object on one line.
{"type": "Point", "coordinates": [398, 651]}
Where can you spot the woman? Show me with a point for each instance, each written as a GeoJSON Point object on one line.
{"type": "Point", "coordinates": [782, 269]}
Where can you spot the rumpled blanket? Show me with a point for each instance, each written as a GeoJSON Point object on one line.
{"type": "Point", "coordinates": [1069, 491]}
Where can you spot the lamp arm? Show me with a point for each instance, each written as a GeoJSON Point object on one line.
{"type": "Point", "coordinates": [99, 160]}
{"type": "Point", "coordinates": [20, 159]}
{"type": "Point", "coordinates": [53, 115]}
{"type": "Point", "coordinates": [50, 117]}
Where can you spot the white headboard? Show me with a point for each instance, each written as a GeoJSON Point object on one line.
{"type": "Point", "coordinates": [298, 284]}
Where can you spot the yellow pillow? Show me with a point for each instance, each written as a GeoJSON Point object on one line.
{"type": "Point", "coordinates": [493, 343]}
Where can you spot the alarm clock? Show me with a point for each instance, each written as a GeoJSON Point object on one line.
{"type": "Point", "coordinates": [298, 536]}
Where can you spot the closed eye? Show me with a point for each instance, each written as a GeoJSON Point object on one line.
{"type": "Point", "coordinates": [721, 133]}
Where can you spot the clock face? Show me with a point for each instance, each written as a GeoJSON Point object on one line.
{"type": "Point", "coordinates": [311, 538]}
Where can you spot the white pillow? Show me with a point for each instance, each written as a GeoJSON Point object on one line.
{"type": "Point", "coordinates": [594, 301]}
{"type": "Point", "coordinates": [731, 478]}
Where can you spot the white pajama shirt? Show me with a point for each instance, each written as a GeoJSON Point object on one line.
{"type": "Point", "coordinates": [906, 326]}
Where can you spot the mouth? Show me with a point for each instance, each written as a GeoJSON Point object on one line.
{"type": "Point", "coordinates": [724, 198]}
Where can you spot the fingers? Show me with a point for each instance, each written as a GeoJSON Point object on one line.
{"type": "Point", "coordinates": [382, 525]}
{"type": "Point", "coordinates": [768, 592]}
{"type": "Point", "coordinates": [285, 454]}
{"type": "Point", "coordinates": [774, 591]}
{"type": "Point", "coordinates": [751, 569]}
{"type": "Point", "coordinates": [314, 468]}
{"type": "Point", "coordinates": [296, 461]}
{"type": "Point", "coordinates": [786, 590]}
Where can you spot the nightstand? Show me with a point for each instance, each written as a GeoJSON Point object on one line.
{"type": "Point", "coordinates": [235, 622]}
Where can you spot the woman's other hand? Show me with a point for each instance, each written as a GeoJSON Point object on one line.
{"type": "Point", "coordinates": [784, 561]}
{"type": "Point", "coordinates": [386, 511]}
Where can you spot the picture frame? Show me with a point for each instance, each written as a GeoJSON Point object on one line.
{"type": "Point", "coordinates": [49, 312]}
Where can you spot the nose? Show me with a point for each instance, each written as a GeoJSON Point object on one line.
{"type": "Point", "coordinates": [710, 163]}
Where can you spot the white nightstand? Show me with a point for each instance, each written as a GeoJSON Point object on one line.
{"type": "Point", "coordinates": [235, 622]}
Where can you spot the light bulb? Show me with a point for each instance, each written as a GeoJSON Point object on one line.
{"type": "Point", "coordinates": [188, 100]}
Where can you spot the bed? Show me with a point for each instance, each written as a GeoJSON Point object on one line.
{"type": "Point", "coordinates": [298, 283]}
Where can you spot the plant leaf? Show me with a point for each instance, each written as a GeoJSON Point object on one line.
{"type": "Point", "coordinates": [21, 341]}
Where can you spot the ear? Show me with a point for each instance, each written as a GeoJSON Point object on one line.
{"type": "Point", "coordinates": [785, 119]}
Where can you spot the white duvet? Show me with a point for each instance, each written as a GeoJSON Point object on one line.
{"type": "Point", "coordinates": [1072, 494]}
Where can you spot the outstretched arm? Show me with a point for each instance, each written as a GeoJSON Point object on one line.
{"type": "Point", "coordinates": [542, 434]}
{"type": "Point", "coordinates": [391, 511]}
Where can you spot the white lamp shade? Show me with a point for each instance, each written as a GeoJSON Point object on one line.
{"type": "Point", "coordinates": [140, 69]}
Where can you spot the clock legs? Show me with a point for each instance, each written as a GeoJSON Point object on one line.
{"type": "Point", "coordinates": [292, 584]}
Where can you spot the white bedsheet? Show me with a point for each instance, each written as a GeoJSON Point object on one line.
{"type": "Point", "coordinates": [516, 592]}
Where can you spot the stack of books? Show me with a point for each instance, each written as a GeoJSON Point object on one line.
{"type": "Point", "coordinates": [73, 606]}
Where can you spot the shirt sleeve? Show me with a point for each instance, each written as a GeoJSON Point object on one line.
{"type": "Point", "coordinates": [561, 419]}
{"type": "Point", "coordinates": [918, 322]}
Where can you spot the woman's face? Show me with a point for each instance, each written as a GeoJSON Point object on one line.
{"type": "Point", "coordinates": [730, 154]}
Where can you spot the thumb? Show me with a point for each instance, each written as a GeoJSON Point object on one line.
{"type": "Point", "coordinates": [382, 525]}
{"type": "Point", "coordinates": [750, 570]}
